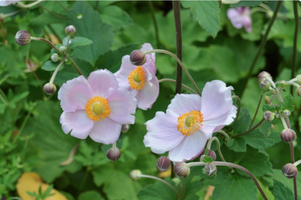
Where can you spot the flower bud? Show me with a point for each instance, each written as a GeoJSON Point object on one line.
{"type": "Point", "coordinates": [163, 164]}
{"type": "Point", "coordinates": [268, 116]}
{"type": "Point", "coordinates": [23, 37]}
{"type": "Point", "coordinates": [282, 84]}
{"type": "Point", "coordinates": [288, 135]}
{"type": "Point", "coordinates": [49, 88]}
{"type": "Point", "coordinates": [63, 49]}
{"type": "Point", "coordinates": [181, 169]}
{"type": "Point", "coordinates": [299, 79]}
{"type": "Point", "coordinates": [70, 30]}
{"type": "Point", "coordinates": [125, 128]}
{"type": "Point", "coordinates": [298, 91]}
{"type": "Point", "coordinates": [55, 57]}
{"type": "Point", "coordinates": [135, 174]}
{"type": "Point", "coordinates": [212, 154]}
{"type": "Point", "coordinates": [176, 180]}
{"type": "Point", "coordinates": [262, 75]}
{"type": "Point", "coordinates": [265, 85]}
{"type": "Point", "coordinates": [113, 154]}
{"type": "Point", "coordinates": [286, 113]}
{"type": "Point", "coordinates": [210, 169]}
{"type": "Point", "coordinates": [289, 170]}
{"type": "Point", "coordinates": [137, 58]}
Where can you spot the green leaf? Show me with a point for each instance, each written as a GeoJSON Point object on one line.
{"type": "Point", "coordinates": [206, 13]}
{"type": "Point", "coordinates": [90, 195]}
{"type": "Point", "coordinates": [116, 184]}
{"type": "Point", "coordinates": [244, 3]}
{"type": "Point", "coordinates": [287, 103]}
{"type": "Point", "coordinates": [230, 186]}
{"type": "Point", "coordinates": [157, 191]}
{"type": "Point", "coordinates": [280, 191]}
{"type": "Point", "coordinates": [77, 41]}
{"type": "Point", "coordinates": [50, 66]}
{"type": "Point", "coordinates": [268, 107]}
{"type": "Point", "coordinates": [237, 144]}
{"type": "Point", "coordinates": [90, 26]}
{"type": "Point", "coordinates": [243, 122]}
{"type": "Point", "coordinates": [116, 17]}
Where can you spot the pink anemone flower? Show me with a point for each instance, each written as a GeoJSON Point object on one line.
{"type": "Point", "coordinates": [96, 107]}
{"type": "Point", "coordinates": [190, 120]}
{"type": "Point", "coordinates": [240, 17]}
{"type": "Point", "coordinates": [141, 81]}
{"type": "Point", "coordinates": [8, 2]}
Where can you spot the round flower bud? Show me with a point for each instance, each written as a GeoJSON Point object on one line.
{"type": "Point", "coordinates": [210, 169]}
{"type": "Point", "coordinates": [55, 57]}
{"type": "Point", "coordinates": [181, 169]}
{"type": "Point", "coordinates": [63, 49]}
{"type": "Point", "coordinates": [290, 170]}
{"type": "Point", "coordinates": [286, 113]}
{"type": "Point", "coordinates": [212, 154]}
{"type": "Point", "coordinates": [163, 164]}
{"type": "Point", "coordinates": [23, 37]}
{"type": "Point", "coordinates": [265, 85]}
{"type": "Point", "coordinates": [176, 180]}
{"type": "Point", "coordinates": [299, 79]}
{"type": "Point", "coordinates": [288, 135]}
{"type": "Point", "coordinates": [298, 91]}
{"type": "Point", "coordinates": [113, 154]}
{"type": "Point", "coordinates": [262, 75]}
{"type": "Point", "coordinates": [137, 58]}
{"type": "Point", "coordinates": [135, 174]}
{"type": "Point", "coordinates": [70, 30]}
{"type": "Point", "coordinates": [268, 116]}
{"type": "Point", "coordinates": [49, 88]}
{"type": "Point", "coordinates": [125, 128]}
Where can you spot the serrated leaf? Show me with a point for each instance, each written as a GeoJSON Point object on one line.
{"type": "Point", "coordinates": [243, 122]}
{"type": "Point", "coordinates": [77, 41]}
{"type": "Point", "coordinates": [230, 186]}
{"type": "Point", "coordinates": [90, 195]}
{"type": "Point", "coordinates": [206, 13]}
{"type": "Point", "coordinates": [280, 191]}
{"type": "Point", "coordinates": [237, 144]}
{"type": "Point", "coordinates": [90, 26]}
{"type": "Point", "coordinates": [244, 3]}
{"type": "Point", "coordinates": [287, 103]}
{"type": "Point", "coordinates": [261, 140]}
{"type": "Point", "coordinates": [268, 107]}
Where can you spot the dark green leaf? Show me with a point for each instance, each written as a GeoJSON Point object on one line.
{"type": "Point", "coordinates": [77, 41]}
{"type": "Point", "coordinates": [268, 107]}
{"type": "Point", "coordinates": [288, 102]}
{"type": "Point", "coordinates": [244, 3]}
{"type": "Point", "coordinates": [206, 13]}
{"type": "Point", "coordinates": [243, 122]}
{"type": "Point", "coordinates": [280, 191]}
{"type": "Point", "coordinates": [261, 140]}
{"type": "Point", "coordinates": [237, 144]}
{"type": "Point", "coordinates": [90, 195]}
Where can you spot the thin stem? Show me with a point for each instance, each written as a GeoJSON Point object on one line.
{"type": "Point", "coordinates": [70, 157]}
{"type": "Point", "coordinates": [56, 71]}
{"type": "Point", "coordinates": [262, 44]}
{"type": "Point", "coordinates": [219, 163]}
{"type": "Point", "coordinates": [20, 4]}
{"type": "Point", "coordinates": [295, 41]}
{"type": "Point", "coordinates": [248, 131]}
{"type": "Point", "coordinates": [224, 133]}
{"type": "Point", "coordinates": [283, 122]}
{"type": "Point", "coordinates": [179, 61]}
{"type": "Point", "coordinates": [151, 6]}
{"type": "Point", "coordinates": [53, 13]}
{"type": "Point", "coordinates": [256, 111]}
{"type": "Point", "coordinates": [297, 162]}
{"type": "Point", "coordinates": [172, 80]}
{"type": "Point", "coordinates": [218, 147]}
{"type": "Point", "coordinates": [159, 179]}
{"type": "Point", "coordinates": [62, 6]}
{"type": "Point", "coordinates": [177, 16]}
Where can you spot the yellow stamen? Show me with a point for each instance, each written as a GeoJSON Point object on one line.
{"type": "Point", "coordinates": [188, 123]}
{"type": "Point", "coordinates": [97, 108]}
{"type": "Point", "coordinates": [136, 78]}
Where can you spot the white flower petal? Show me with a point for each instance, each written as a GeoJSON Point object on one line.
{"type": "Point", "coordinates": [235, 17]}
{"type": "Point", "coordinates": [183, 103]}
{"type": "Point", "coordinates": [148, 95]}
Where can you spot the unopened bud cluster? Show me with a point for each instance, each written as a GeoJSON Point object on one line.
{"type": "Point", "coordinates": [210, 169]}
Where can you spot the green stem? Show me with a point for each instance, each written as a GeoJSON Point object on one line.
{"type": "Point", "coordinates": [20, 4]}
{"type": "Point", "coordinates": [179, 61]}
{"type": "Point", "coordinates": [172, 80]}
{"type": "Point", "coordinates": [53, 13]}
{"type": "Point", "coordinates": [248, 131]}
{"type": "Point", "coordinates": [295, 42]}
{"type": "Point", "coordinates": [151, 6]}
{"type": "Point", "coordinates": [218, 147]}
{"type": "Point", "coordinates": [66, 9]}
{"type": "Point", "coordinates": [256, 111]}
{"type": "Point", "coordinates": [177, 16]}
{"type": "Point", "coordinates": [262, 44]}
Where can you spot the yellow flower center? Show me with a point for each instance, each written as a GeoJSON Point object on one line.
{"type": "Point", "coordinates": [136, 78]}
{"type": "Point", "coordinates": [97, 108]}
{"type": "Point", "coordinates": [188, 123]}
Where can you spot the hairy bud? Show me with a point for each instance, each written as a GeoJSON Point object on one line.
{"type": "Point", "coordinates": [49, 88]}
{"type": "Point", "coordinates": [262, 75]}
{"type": "Point", "coordinates": [135, 174]}
{"type": "Point", "coordinates": [163, 164]}
{"type": "Point", "coordinates": [268, 116]}
{"type": "Point", "coordinates": [63, 49]}
{"type": "Point", "coordinates": [70, 30]}
{"type": "Point", "coordinates": [23, 37]}
{"type": "Point", "coordinates": [137, 58]}
{"type": "Point", "coordinates": [288, 135]}
{"type": "Point", "coordinates": [289, 170]}
{"type": "Point", "coordinates": [286, 113]}
{"type": "Point", "coordinates": [55, 57]}
{"type": "Point", "coordinates": [181, 169]}
{"type": "Point", "coordinates": [265, 85]}
{"type": "Point", "coordinates": [113, 154]}
{"type": "Point", "coordinates": [210, 169]}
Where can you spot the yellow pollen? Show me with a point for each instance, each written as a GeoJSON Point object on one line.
{"type": "Point", "coordinates": [188, 123]}
{"type": "Point", "coordinates": [97, 108]}
{"type": "Point", "coordinates": [136, 78]}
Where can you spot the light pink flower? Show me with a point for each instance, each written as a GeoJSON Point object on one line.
{"type": "Point", "coordinates": [141, 81]}
{"type": "Point", "coordinates": [240, 17]}
{"type": "Point", "coordinates": [8, 2]}
{"type": "Point", "coordinates": [96, 107]}
{"type": "Point", "coordinates": [190, 120]}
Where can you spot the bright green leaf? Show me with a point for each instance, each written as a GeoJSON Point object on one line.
{"type": "Point", "coordinates": [77, 41]}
